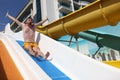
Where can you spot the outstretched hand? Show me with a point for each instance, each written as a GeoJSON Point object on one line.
{"type": "Point", "coordinates": [47, 18]}
{"type": "Point", "coordinates": [7, 14]}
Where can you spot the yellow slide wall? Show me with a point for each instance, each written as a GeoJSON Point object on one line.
{"type": "Point", "coordinates": [113, 63]}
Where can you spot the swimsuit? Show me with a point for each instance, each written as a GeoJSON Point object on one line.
{"type": "Point", "coordinates": [31, 44]}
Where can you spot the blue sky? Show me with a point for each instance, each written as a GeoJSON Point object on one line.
{"type": "Point", "coordinates": [13, 6]}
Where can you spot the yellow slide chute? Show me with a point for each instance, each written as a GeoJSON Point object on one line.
{"type": "Point", "coordinates": [96, 14]}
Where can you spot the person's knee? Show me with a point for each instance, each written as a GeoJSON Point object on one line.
{"type": "Point", "coordinates": [36, 48]}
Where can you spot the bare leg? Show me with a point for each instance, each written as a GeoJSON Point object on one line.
{"type": "Point", "coordinates": [37, 49]}
{"type": "Point", "coordinates": [31, 51]}
{"type": "Point", "coordinates": [46, 55]}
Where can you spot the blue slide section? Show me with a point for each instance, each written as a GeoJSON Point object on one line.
{"type": "Point", "coordinates": [49, 68]}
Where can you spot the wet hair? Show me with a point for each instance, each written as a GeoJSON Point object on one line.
{"type": "Point", "coordinates": [29, 18]}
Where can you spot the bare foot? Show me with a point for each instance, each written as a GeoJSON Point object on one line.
{"type": "Point", "coordinates": [46, 55]}
{"type": "Point", "coordinates": [36, 55]}
{"type": "Point", "coordinates": [32, 53]}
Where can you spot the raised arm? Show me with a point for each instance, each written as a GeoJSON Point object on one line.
{"type": "Point", "coordinates": [13, 19]}
{"type": "Point", "coordinates": [41, 22]}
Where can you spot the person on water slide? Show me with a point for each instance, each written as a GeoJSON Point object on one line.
{"type": "Point", "coordinates": [28, 28]}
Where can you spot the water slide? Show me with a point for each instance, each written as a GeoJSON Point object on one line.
{"type": "Point", "coordinates": [67, 64]}
{"type": "Point", "coordinates": [96, 14]}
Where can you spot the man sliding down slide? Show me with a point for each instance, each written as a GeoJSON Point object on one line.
{"type": "Point", "coordinates": [29, 36]}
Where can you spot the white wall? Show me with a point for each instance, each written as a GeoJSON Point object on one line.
{"type": "Point", "coordinates": [49, 9]}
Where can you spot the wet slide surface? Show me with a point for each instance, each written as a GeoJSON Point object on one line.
{"type": "Point", "coordinates": [8, 70]}
{"type": "Point", "coordinates": [49, 68]}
